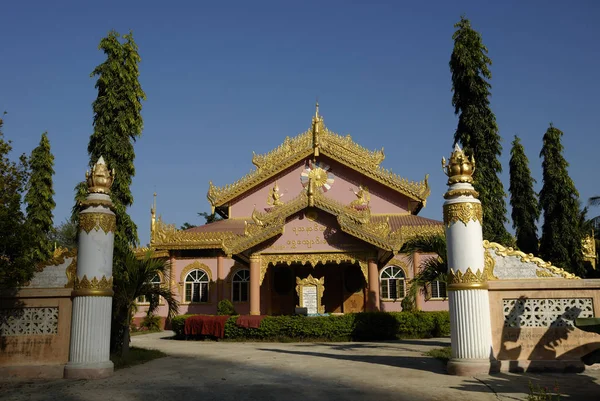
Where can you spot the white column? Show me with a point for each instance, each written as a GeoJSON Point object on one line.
{"type": "Point", "coordinates": [470, 325]}
{"type": "Point", "coordinates": [89, 355]}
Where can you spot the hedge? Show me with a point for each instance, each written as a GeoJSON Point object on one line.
{"type": "Point", "coordinates": [364, 326]}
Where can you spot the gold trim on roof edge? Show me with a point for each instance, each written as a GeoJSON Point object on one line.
{"type": "Point", "coordinates": [266, 225]}
{"type": "Point", "coordinates": [58, 258]}
{"type": "Point", "coordinates": [342, 149]}
{"type": "Point", "coordinates": [500, 250]}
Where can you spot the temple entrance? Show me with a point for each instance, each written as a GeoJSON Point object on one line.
{"type": "Point", "coordinates": [345, 287]}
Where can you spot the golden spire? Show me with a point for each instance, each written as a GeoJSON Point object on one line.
{"type": "Point", "coordinates": [316, 122]}
{"type": "Point", "coordinates": [100, 179]}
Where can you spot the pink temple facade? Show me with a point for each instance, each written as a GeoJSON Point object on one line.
{"type": "Point", "coordinates": [317, 205]}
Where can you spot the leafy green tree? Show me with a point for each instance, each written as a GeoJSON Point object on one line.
{"type": "Point", "coordinates": [64, 235]}
{"type": "Point", "coordinates": [134, 282]}
{"type": "Point", "coordinates": [117, 124]}
{"type": "Point", "coordinates": [15, 236]}
{"type": "Point", "coordinates": [562, 235]}
{"type": "Point", "coordinates": [477, 130]}
{"type": "Point", "coordinates": [523, 199]}
{"type": "Point", "coordinates": [40, 199]}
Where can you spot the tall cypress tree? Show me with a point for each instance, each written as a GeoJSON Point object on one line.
{"type": "Point", "coordinates": [561, 241]}
{"type": "Point", "coordinates": [39, 198]}
{"type": "Point", "coordinates": [525, 206]}
{"type": "Point", "coordinates": [117, 124]}
{"type": "Point", "coordinates": [477, 131]}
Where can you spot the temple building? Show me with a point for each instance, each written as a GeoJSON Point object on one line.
{"type": "Point", "coordinates": [318, 209]}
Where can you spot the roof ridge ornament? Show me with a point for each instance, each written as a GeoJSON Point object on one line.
{"type": "Point", "coordinates": [316, 122]}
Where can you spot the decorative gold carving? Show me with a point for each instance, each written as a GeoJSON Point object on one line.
{"type": "Point", "coordinates": [461, 192]}
{"type": "Point", "coordinates": [464, 212]}
{"type": "Point", "coordinates": [93, 287]}
{"type": "Point", "coordinates": [459, 168]}
{"type": "Point", "coordinates": [313, 259]}
{"type": "Point", "coordinates": [311, 281]}
{"type": "Point", "coordinates": [488, 266]}
{"type": "Point", "coordinates": [167, 236]}
{"type": "Point", "coordinates": [97, 221]}
{"type": "Point", "coordinates": [141, 253]}
{"type": "Point", "coordinates": [97, 202]}
{"type": "Point", "coordinates": [363, 197]}
{"type": "Point", "coordinates": [543, 273]}
{"type": "Point", "coordinates": [342, 149]}
{"type": "Point", "coordinates": [71, 273]}
{"type": "Point", "coordinates": [196, 265]}
{"type": "Point", "coordinates": [457, 280]}
{"type": "Point", "coordinates": [274, 196]}
{"type": "Point", "coordinates": [101, 178]}
{"type": "Point", "coordinates": [58, 258]}
{"type": "Point", "coordinates": [528, 258]}
{"type": "Point", "coordinates": [589, 249]}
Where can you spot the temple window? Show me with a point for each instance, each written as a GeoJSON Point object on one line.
{"type": "Point", "coordinates": [155, 282]}
{"type": "Point", "coordinates": [196, 286]}
{"type": "Point", "coordinates": [436, 290]}
{"type": "Point", "coordinates": [241, 286]}
{"type": "Point", "coordinates": [392, 281]}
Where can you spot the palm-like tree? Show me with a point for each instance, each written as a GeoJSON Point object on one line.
{"type": "Point", "coordinates": [431, 269]}
{"type": "Point", "coordinates": [134, 282]}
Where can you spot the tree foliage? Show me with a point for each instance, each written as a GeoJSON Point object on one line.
{"type": "Point", "coordinates": [15, 236]}
{"type": "Point", "coordinates": [117, 124]}
{"type": "Point", "coordinates": [40, 199]}
{"type": "Point", "coordinates": [431, 269]}
{"type": "Point", "coordinates": [523, 199]}
{"type": "Point", "coordinates": [562, 235]}
{"type": "Point", "coordinates": [209, 218]}
{"type": "Point", "coordinates": [64, 235]}
{"type": "Point", "coordinates": [477, 130]}
{"type": "Point", "coordinates": [134, 282]}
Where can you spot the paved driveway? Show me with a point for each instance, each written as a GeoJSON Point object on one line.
{"type": "Point", "coordinates": [207, 370]}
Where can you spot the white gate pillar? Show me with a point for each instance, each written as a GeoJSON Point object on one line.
{"type": "Point", "coordinates": [92, 292]}
{"type": "Point", "coordinates": [470, 326]}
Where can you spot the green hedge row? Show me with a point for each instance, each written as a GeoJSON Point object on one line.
{"type": "Point", "coordinates": [365, 326]}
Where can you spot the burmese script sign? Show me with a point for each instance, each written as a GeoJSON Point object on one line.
{"type": "Point", "coordinates": [300, 235]}
{"type": "Point", "coordinates": [309, 299]}
{"type": "Point", "coordinates": [310, 292]}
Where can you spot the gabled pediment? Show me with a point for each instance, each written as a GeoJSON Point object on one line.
{"type": "Point", "coordinates": [384, 232]}
{"type": "Point", "coordinates": [317, 141]}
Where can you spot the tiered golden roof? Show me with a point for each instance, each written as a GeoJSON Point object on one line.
{"type": "Point", "coordinates": [318, 140]}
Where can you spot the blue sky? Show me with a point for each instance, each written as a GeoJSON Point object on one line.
{"type": "Point", "coordinates": [225, 79]}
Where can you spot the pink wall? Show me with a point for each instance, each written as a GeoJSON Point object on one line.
{"type": "Point", "coordinates": [383, 199]}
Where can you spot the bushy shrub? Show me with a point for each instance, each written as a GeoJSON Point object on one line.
{"type": "Point", "coordinates": [225, 308]}
{"type": "Point", "coordinates": [178, 325]}
{"type": "Point", "coordinates": [151, 323]}
{"type": "Point", "coordinates": [365, 326]}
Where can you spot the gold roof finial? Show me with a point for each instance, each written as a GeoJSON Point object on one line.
{"type": "Point", "coordinates": [459, 168]}
{"type": "Point", "coordinates": [317, 110]}
{"type": "Point", "coordinates": [100, 179]}
{"type": "Point", "coordinates": [316, 121]}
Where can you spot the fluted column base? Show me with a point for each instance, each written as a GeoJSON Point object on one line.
{"type": "Point", "coordinates": [90, 338]}
{"type": "Point", "coordinates": [471, 332]}
{"type": "Point", "coordinates": [472, 367]}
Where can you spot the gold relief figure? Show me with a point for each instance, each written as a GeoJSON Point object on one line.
{"type": "Point", "coordinates": [363, 197]}
{"type": "Point", "coordinates": [274, 196]}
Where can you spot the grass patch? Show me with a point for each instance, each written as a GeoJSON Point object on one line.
{"type": "Point", "coordinates": [140, 332]}
{"type": "Point", "coordinates": [136, 356]}
{"type": "Point", "coordinates": [443, 354]}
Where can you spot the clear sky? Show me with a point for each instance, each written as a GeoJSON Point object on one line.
{"type": "Point", "coordinates": [226, 78]}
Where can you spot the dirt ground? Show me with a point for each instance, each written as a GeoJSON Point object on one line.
{"type": "Point", "coordinates": [296, 371]}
